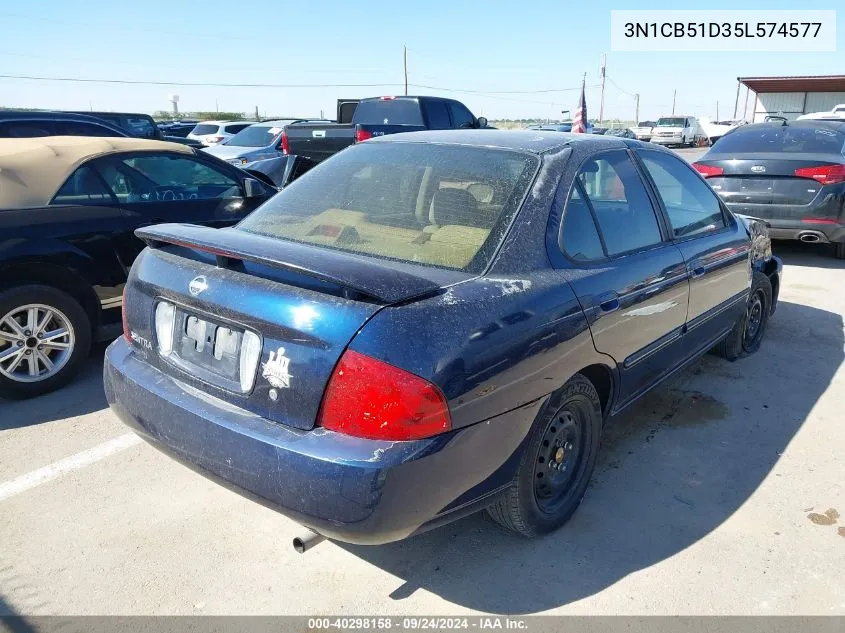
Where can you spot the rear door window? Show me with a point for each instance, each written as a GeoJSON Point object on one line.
{"type": "Point", "coordinates": [581, 241]}
{"type": "Point", "coordinates": [439, 205]}
{"type": "Point", "coordinates": [620, 201]}
{"type": "Point", "coordinates": [26, 129]}
{"type": "Point", "coordinates": [81, 128]}
{"type": "Point", "coordinates": [438, 115]}
{"type": "Point", "coordinates": [388, 112]}
{"type": "Point", "coordinates": [691, 205]}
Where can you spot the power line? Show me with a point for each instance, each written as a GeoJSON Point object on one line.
{"type": "Point", "coordinates": [263, 69]}
{"type": "Point", "coordinates": [491, 94]}
{"type": "Point", "coordinates": [615, 85]}
{"type": "Point", "coordinates": [192, 83]}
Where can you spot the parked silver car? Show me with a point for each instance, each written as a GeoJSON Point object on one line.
{"type": "Point", "coordinates": [259, 141]}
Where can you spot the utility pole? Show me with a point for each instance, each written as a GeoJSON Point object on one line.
{"type": "Point", "coordinates": [602, 73]}
{"type": "Point", "coordinates": [216, 107]}
{"type": "Point", "coordinates": [257, 118]}
{"type": "Point", "coordinates": [637, 115]}
{"type": "Point", "coordinates": [674, 94]}
{"type": "Point", "coordinates": [406, 69]}
{"type": "Point", "coordinates": [717, 109]}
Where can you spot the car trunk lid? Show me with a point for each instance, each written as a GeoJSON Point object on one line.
{"type": "Point", "coordinates": [304, 304]}
{"type": "Point", "coordinates": [767, 179]}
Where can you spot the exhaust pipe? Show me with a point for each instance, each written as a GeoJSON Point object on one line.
{"type": "Point", "coordinates": [809, 237]}
{"type": "Point", "coordinates": [307, 540]}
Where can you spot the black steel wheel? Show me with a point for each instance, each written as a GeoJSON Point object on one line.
{"type": "Point", "coordinates": [559, 459]}
{"type": "Point", "coordinates": [556, 464]}
{"type": "Point", "coordinates": [748, 331]}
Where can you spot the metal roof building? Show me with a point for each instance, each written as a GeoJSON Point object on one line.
{"type": "Point", "coordinates": [788, 96]}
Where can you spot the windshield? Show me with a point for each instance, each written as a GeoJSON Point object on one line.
{"type": "Point", "coordinates": [645, 124]}
{"type": "Point", "coordinates": [256, 136]}
{"type": "Point", "coordinates": [671, 122]}
{"type": "Point", "coordinates": [441, 205]}
{"type": "Point", "coordinates": [782, 138]}
{"type": "Point", "coordinates": [205, 128]}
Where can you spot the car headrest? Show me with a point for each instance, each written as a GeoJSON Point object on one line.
{"type": "Point", "coordinates": [454, 207]}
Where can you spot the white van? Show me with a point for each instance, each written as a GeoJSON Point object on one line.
{"type": "Point", "coordinates": [675, 130]}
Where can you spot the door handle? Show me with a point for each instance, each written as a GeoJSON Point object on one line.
{"type": "Point", "coordinates": [697, 272]}
{"type": "Point", "coordinates": [608, 302]}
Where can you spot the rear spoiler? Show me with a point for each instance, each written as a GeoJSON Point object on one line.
{"type": "Point", "coordinates": [371, 279]}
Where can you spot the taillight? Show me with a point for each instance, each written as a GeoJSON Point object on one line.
{"type": "Point", "coordinates": [362, 135]}
{"type": "Point", "coordinates": [285, 146]}
{"type": "Point", "coordinates": [123, 316]}
{"type": "Point", "coordinates": [371, 399]}
{"type": "Point", "coordinates": [826, 175]}
{"type": "Point", "coordinates": [708, 170]}
{"type": "Point", "coordinates": [387, 98]}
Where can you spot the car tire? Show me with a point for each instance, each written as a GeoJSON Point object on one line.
{"type": "Point", "coordinates": [54, 356]}
{"type": "Point", "coordinates": [839, 250]}
{"type": "Point", "coordinates": [556, 464]}
{"type": "Point", "coordinates": [747, 334]}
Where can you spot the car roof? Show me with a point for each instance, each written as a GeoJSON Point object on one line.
{"type": "Point", "coordinates": [49, 115]}
{"type": "Point", "coordinates": [33, 169]}
{"type": "Point", "coordinates": [535, 141]}
{"type": "Point", "coordinates": [800, 123]}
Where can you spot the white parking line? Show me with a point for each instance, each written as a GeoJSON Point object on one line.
{"type": "Point", "coordinates": [74, 462]}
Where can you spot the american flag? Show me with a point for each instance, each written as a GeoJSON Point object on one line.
{"type": "Point", "coordinates": [579, 123]}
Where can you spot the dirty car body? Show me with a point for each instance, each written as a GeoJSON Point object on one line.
{"type": "Point", "coordinates": [372, 366]}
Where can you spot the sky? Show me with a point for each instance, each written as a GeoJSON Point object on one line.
{"type": "Point", "coordinates": [469, 50]}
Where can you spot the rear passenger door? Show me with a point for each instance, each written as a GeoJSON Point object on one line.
{"type": "Point", "coordinates": [714, 247]}
{"type": "Point", "coordinates": [630, 279]}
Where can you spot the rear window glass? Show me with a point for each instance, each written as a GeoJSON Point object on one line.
{"type": "Point", "coordinates": [388, 112]}
{"type": "Point", "coordinates": [205, 128]}
{"type": "Point", "coordinates": [782, 138]}
{"type": "Point", "coordinates": [255, 136]}
{"type": "Point", "coordinates": [441, 205]}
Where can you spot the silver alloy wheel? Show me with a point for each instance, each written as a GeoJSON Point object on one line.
{"type": "Point", "coordinates": [36, 342]}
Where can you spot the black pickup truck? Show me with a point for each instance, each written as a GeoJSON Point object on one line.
{"type": "Point", "coordinates": [313, 143]}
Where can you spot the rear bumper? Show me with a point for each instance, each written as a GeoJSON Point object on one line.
{"type": "Point", "coordinates": [795, 227]}
{"type": "Point", "coordinates": [349, 489]}
{"type": "Point", "coordinates": [796, 230]}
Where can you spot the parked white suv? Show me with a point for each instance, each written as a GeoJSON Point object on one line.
{"type": "Point", "coordinates": [213, 132]}
{"type": "Point", "coordinates": [675, 130]}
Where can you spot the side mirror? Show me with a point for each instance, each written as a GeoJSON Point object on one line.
{"type": "Point", "coordinates": [253, 188]}
{"type": "Point", "coordinates": [482, 121]}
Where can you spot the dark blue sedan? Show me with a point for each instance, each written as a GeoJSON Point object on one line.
{"type": "Point", "coordinates": [430, 324]}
